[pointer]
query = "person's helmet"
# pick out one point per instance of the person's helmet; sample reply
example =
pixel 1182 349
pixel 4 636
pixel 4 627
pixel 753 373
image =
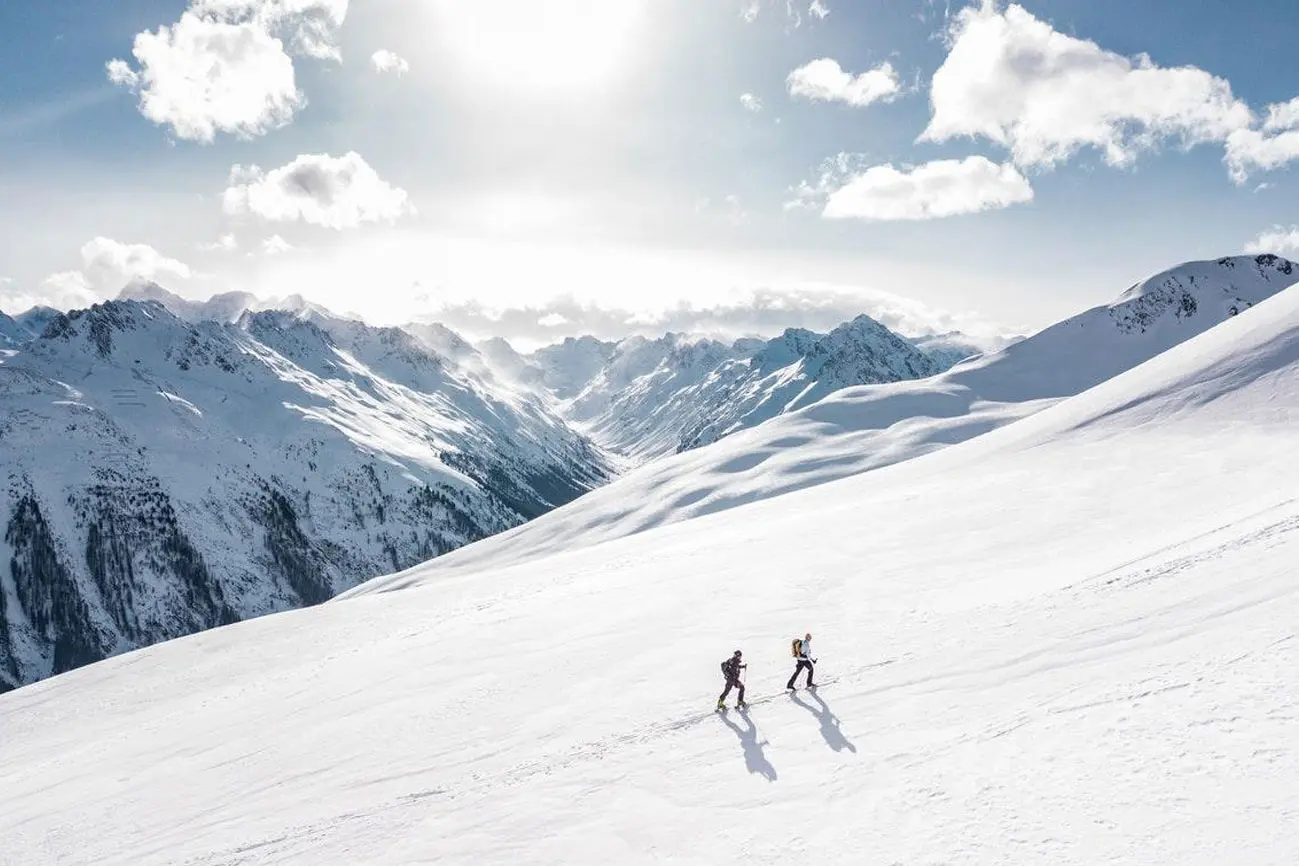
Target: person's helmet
pixel 738 653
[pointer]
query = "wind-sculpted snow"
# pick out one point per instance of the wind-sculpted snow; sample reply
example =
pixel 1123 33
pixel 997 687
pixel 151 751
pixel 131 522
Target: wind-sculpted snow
pixel 1071 640
pixel 856 430
pixel 160 477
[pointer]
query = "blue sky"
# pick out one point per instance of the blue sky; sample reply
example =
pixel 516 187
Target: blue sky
pixel 623 164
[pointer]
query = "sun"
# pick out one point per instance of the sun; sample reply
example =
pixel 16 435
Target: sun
pixel 540 44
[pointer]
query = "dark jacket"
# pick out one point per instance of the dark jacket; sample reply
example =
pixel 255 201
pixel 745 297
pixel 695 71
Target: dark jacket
pixel 731 668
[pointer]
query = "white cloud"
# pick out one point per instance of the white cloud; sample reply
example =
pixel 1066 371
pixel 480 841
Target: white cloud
pixel 106 267
pixel 825 81
pixel 753 8
pixel 1012 78
pixel 735 212
pixel 226 244
pixel 1279 240
pixel 1282 116
pixel 310 26
pixel 758 312
pixel 938 189
pixel 274 245
pixel 386 61
pixel 322 190
pixel 1273 146
pixel 224 66
pixel 818 9
pixel 751 102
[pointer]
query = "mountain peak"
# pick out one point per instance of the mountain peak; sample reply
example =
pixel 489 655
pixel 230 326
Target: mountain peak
pixel 1219 289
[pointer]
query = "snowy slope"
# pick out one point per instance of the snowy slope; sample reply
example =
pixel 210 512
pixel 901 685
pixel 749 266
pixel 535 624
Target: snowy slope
pixel 1069 641
pixel 859 429
pixel 160 477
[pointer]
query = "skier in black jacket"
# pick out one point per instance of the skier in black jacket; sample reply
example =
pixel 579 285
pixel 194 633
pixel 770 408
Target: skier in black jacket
pixel 731 670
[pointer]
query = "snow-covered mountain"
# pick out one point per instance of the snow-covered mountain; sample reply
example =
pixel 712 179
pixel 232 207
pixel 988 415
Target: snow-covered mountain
pixel 37 319
pixel 860 429
pixel 12 333
pixel 952 348
pixel 225 307
pixel 645 398
pixel 1070 640
pixel 161 476
pixel 569 367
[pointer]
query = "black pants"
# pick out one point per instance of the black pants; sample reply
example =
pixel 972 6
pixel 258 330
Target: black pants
pixel 802 663
pixel 732 684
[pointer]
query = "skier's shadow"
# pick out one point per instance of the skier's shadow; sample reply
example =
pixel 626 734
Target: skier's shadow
pixel 830 730
pixel 754 758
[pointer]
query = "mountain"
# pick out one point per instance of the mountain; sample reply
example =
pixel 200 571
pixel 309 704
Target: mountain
pixel 226 307
pixel 12 333
pixel 953 347
pixel 162 476
pixel 856 430
pixel 645 398
pixel 37 319
pixel 1070 640
pixel 567 368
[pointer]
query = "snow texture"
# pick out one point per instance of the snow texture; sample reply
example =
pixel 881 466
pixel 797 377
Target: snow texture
pixel 1071 640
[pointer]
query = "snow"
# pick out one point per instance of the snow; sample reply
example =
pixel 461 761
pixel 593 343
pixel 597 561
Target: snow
pixel 857 430
pixel 264 465
pixel 1070 640
pixel 12 333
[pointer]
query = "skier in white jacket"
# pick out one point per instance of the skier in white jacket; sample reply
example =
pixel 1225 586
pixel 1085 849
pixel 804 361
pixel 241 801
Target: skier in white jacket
pixel 803 653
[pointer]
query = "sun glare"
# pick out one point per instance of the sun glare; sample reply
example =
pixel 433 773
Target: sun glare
pixel 540 44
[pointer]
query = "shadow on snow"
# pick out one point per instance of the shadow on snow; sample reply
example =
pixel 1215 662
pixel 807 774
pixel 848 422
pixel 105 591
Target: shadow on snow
pixel 830 730
pixel 755 760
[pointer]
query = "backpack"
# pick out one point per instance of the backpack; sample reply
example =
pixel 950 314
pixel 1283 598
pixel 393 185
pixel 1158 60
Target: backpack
pixel 797 647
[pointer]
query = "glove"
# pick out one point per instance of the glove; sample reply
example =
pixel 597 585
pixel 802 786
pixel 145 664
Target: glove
pixel 813 661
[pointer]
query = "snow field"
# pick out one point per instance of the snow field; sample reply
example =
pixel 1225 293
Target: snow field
pixel 1071 640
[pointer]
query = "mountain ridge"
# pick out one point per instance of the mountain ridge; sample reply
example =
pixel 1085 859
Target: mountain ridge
pixel 861 429
pixel 209 471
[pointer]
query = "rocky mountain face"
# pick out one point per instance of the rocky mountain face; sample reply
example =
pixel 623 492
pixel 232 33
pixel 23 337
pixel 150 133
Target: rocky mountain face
pixel 161 476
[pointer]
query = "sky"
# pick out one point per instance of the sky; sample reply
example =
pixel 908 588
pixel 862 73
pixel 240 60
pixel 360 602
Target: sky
pixel 545 168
